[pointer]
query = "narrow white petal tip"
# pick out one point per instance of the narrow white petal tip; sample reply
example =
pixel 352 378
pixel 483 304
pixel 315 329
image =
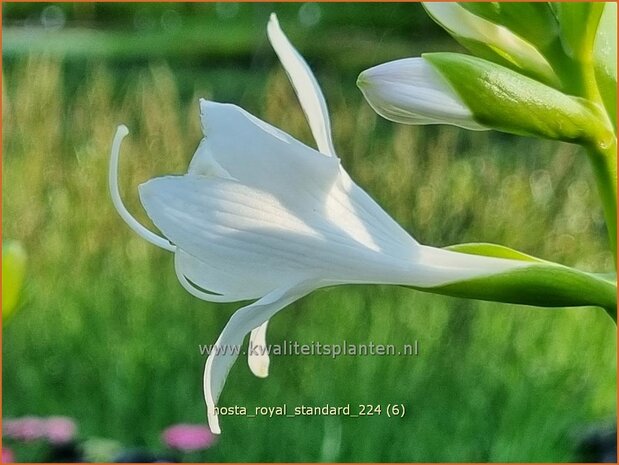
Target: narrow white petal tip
pixel 252 318
pixel 213 424
pixel 305 85
pixel 258 356
pixel 273 28
pixel 259 365
pixel 122 131
pixel 411 91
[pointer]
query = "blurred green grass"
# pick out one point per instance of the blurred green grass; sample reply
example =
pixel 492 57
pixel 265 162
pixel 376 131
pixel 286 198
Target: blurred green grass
pixel 108 336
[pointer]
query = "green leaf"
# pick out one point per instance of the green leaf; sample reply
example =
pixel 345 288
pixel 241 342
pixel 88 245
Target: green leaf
pixel 533 21
pixel 578 23
pixel 508 101
pixel 493 250
pixel 605 60
pixel 491 40
pixel 13 272
pixel 610 277
pixel 542 283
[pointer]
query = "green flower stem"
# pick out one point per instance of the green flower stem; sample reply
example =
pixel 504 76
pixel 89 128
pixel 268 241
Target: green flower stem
pixel 576 74
pixel 578 78
pixel 604 162
pixel 539 283
pixel 564 66
pixel 603 154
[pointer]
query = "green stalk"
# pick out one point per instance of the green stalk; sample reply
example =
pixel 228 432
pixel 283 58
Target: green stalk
pixel 603 153
pixel 604 162
pixel 577 74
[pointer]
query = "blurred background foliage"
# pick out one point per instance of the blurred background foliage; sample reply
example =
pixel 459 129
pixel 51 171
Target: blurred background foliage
pixel 105 334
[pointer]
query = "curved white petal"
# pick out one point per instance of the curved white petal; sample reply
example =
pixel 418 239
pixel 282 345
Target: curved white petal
pixel 223 355
pixel 411 91
pixel 239 146
pixel 207 282
pixel 349 199
pixel 305 85
pixel 234 233
pixel 258 359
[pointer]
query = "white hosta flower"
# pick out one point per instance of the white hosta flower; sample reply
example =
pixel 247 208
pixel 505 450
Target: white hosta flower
pixel 259 215
pixel 411 91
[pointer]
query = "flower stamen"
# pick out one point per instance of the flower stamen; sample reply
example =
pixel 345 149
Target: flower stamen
pixel 121 133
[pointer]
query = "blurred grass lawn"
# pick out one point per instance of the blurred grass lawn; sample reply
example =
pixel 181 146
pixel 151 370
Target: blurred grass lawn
pixel 108 336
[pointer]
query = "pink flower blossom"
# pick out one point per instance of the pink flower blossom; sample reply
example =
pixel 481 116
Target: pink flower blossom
pixel 188 438
pixel 24 429
pixel 7 455
pixel 60 430
pixel 57 430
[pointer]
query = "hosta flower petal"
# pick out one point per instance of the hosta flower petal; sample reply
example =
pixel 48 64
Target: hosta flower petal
pixel 305 85
pixel 411 91
pixel 239 146
pixel 259 359
pixel 231 227
pixel 222 355
pixel 211 283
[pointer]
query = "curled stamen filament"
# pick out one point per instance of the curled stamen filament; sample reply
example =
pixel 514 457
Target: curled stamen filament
pixel 146 234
